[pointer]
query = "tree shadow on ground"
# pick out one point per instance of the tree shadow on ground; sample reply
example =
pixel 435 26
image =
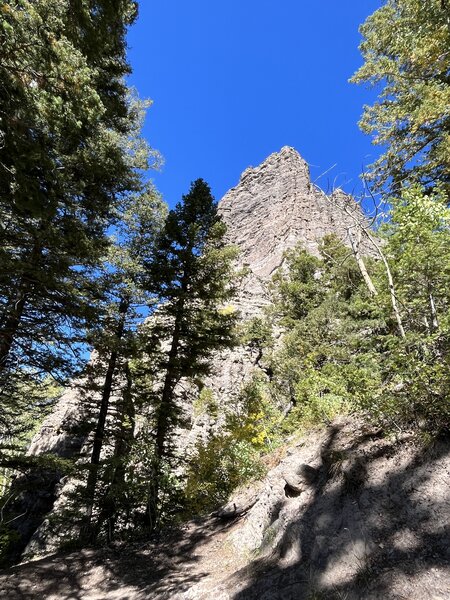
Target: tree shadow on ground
pixel 363 536
pixel 374 525
pixel 158 569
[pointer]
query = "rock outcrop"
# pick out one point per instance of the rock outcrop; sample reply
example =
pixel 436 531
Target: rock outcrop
pixel 272 208
pixel 275 206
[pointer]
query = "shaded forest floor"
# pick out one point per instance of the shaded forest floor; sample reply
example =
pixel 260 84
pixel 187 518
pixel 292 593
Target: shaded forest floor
pixel 347 514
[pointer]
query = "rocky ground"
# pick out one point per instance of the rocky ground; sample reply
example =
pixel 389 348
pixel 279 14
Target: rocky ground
pixel 345 514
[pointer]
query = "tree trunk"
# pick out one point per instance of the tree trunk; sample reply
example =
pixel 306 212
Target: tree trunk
pixel 434 318
pixel 164 413
pixel 391 286
pixel 362 267
pixel 12 316
pixel 387 268
pixel 101 422
pixel 122 449
pixel 10 327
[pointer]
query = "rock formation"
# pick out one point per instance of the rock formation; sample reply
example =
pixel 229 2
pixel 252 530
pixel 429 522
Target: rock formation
pixel 273 207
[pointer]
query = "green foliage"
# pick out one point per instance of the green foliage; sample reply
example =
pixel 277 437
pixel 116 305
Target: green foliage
pixel 71 163
pixel 416 385
pixel 419 249
pixel 341 350
pixel 39 396
pixel 219 467
pixel 320 397
pixel 256 333
pixel 298 293
pixel 65 166
pixel 233 457
pixel 405 49
pixel 71 172
pixel 190 274
pixel 205 403
pixel 39 399
pixel 325 365
pixel 8 537
pixel 255 419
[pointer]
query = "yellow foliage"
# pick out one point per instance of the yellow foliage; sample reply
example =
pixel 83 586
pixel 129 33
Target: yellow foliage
pixel 229 309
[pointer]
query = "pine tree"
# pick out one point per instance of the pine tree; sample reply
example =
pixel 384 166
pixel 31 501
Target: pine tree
pixel 115 345
pixel 64 114
pixel 190 273
pixel 327 362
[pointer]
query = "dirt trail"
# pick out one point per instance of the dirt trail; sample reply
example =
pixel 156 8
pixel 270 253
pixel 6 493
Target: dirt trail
pixel 190 557
pixel 345 515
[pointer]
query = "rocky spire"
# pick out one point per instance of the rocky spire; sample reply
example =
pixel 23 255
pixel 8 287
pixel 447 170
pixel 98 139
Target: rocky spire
pixel 274 207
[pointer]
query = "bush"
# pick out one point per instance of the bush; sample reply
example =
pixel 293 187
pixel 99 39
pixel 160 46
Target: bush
pixel 218 468
pixel 205 403
pixel 233 456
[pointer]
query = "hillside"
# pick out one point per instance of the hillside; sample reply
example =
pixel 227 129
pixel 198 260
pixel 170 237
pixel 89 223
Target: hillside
pixel 346 513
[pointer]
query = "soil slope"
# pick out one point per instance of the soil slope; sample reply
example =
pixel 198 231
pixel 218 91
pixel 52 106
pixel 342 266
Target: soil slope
pixel 345 514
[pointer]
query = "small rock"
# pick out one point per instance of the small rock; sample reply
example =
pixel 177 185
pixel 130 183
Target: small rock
pixel 300 478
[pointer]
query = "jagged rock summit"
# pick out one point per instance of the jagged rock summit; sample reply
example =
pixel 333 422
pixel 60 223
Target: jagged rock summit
pixel 274 207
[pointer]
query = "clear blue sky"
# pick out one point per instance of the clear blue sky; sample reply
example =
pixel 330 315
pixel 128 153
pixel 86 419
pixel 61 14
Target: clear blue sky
pixel 234 80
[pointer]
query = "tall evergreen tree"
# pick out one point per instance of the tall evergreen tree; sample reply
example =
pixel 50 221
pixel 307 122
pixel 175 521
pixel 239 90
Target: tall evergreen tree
pixel 190 273
pixel 115 346
pixel 64 115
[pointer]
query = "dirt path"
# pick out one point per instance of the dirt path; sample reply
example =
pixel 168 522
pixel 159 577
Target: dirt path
pixel 195 556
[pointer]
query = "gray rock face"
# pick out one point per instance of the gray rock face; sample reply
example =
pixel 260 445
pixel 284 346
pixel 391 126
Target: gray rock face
pixel 58 432
pixel 273 207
